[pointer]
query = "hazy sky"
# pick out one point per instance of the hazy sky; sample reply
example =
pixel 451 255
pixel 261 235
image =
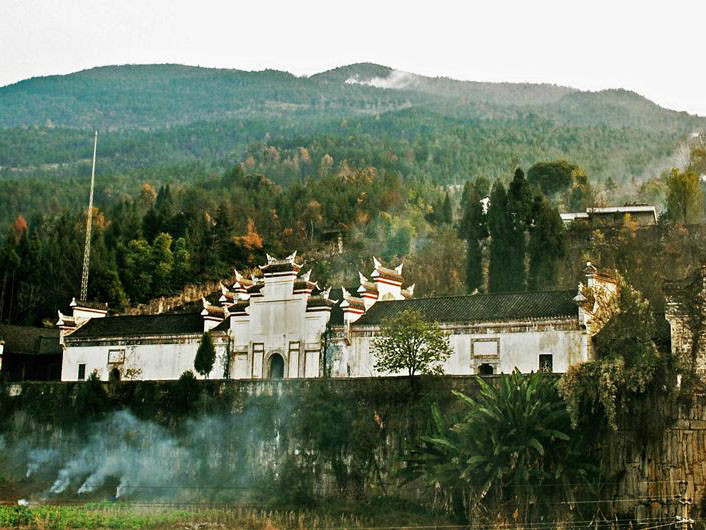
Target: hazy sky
pixel 656 49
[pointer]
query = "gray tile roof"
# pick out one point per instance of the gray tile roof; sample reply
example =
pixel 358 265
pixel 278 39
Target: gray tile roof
pixel 138 325
pixel 30 340
pixel 479 307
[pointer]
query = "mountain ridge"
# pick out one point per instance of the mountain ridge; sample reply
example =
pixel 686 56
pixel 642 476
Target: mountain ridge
pixel 149 96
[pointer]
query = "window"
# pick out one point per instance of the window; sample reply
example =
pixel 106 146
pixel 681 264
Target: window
pixel 546 362
pixel 81 372
pixel 258 352
pixel 296 365
pixel 116 356
pixel 311 364
pixel 481 348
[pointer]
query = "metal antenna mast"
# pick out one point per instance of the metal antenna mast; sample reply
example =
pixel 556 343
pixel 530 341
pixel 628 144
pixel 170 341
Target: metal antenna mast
pixel 89 220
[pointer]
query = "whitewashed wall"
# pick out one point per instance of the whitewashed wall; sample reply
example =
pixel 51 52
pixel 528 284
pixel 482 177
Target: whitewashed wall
pixel 150 359
pixel 517 347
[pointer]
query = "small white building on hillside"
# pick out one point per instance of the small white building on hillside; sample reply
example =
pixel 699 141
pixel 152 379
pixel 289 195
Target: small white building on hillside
pixel 283 325
pixel 642 214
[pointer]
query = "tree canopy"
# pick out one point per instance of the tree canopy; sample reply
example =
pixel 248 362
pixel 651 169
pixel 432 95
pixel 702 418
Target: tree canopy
pixel 410 343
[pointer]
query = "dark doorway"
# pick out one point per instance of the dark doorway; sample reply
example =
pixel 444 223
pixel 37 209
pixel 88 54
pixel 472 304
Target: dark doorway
pixel 114 375
pixel 485 369
pixel 276 366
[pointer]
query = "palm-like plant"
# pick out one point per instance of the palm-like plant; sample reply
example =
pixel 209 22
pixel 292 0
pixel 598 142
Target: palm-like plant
pixel 510 451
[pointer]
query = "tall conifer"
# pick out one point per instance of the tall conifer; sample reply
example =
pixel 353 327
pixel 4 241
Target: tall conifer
pixel 547 245
pixel 473 228
pixel 498 226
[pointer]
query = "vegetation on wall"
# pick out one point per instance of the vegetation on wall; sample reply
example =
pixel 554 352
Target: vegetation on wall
pixel 628 368
pixel 510 455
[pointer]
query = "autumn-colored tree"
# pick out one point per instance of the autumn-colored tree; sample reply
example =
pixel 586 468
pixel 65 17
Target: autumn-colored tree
pixel 684 197
pixel 438 268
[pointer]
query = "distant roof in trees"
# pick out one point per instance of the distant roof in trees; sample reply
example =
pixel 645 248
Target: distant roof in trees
pixel 480 307
pixel 140 325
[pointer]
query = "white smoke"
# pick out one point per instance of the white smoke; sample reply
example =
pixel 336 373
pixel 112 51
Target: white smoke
pixel 39 458
pixel 123 448
pixel 207 457
pixel 395 80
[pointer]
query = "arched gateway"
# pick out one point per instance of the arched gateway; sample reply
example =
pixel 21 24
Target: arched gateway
pixel 276 368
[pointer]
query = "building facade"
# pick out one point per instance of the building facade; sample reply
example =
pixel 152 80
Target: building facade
pixel 281 324
pixel 642 214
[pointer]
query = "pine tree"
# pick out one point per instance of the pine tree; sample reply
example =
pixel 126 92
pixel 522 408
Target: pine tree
pixel 498 222
pixel 447 211
pixel 474 266
pixel 205 356
pixel 473 228
pixel 162 264
pixel 547 245
pixel 518 212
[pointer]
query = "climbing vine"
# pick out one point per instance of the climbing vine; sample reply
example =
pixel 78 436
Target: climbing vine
pixel 627 370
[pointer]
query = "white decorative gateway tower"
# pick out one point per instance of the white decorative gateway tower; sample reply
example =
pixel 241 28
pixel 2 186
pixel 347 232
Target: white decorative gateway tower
pixel 276 323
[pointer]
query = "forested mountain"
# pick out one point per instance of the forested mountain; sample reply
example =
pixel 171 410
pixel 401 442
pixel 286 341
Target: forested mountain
pixel 200 168
pixel 170 123
pixel 158 96
pixel 378 155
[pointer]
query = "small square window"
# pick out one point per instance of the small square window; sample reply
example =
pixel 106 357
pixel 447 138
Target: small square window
pixel 81 372
pixel 546 362
pixel 116 356
pixel 485 348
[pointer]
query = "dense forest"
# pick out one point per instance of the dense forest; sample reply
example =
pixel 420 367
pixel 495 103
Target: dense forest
pixel 176 124
pixel 200 170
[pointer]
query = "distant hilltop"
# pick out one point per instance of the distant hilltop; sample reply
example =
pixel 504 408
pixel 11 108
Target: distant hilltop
pixel 161 95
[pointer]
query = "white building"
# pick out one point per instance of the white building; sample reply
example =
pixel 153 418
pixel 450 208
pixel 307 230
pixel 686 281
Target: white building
pixel 642 214
pixel 282 325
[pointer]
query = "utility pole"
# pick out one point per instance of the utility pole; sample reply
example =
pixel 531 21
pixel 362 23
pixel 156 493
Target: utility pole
pixel 89 220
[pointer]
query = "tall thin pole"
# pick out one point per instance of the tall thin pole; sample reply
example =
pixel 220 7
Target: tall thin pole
pixel 89 220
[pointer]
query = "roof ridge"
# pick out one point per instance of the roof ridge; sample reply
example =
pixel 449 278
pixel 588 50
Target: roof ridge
pixel 152 315
pixel 477 295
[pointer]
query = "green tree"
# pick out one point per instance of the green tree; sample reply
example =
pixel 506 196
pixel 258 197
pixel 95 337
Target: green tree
pixel 181 271
pixel 511 453
pixel 499 228
pixel 684 197
pixel 447 210
pixel 411 343
pixel 205 356
pixel 138 270
pixel 628 366
pixel 552 177
pixel 547 245
pixel 162 264
pixel 507 223
pixel 473 228
pixel 519 210
pixel 580 195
